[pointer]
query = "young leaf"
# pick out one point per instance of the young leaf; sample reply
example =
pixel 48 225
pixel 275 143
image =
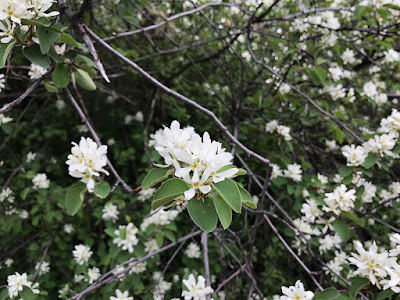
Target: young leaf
pixel 168 191
pixel 357 283
pixel 84 80
pixel 155 176
pixel 34 54
pixel 345 171
pixel 38 22
pixel 224 211
pixel 246 197
pixel 203 213
pixel 102 189
pixel 60 76
pixel 74 197
pixel 5 50
pixel 342 229
pixel 67 39
pixel 46 38
pixel 370 161
pixel 327 294
pixel 229 191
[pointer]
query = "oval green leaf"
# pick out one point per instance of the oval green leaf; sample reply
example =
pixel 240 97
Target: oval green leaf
pixel 74 197
pixel 5 49
pixel 224 211
pixel 60 76
pixel 168 191
pixel 246 197
pixel 155 176
pixel 34 54
pixel 84 80
pixel 229 191
pixel 102 189
pixel 203 213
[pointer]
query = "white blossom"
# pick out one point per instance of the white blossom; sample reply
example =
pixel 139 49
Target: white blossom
pixel 121 295
pixel 129 240
pixel 82 254
pixel 36 71
pixel 110 212
pixel 196 290
pixel 193 251
pixel 294 172
pixel 296 292
pixel 40 181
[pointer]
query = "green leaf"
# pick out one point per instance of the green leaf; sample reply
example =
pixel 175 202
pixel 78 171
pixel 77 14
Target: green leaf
pixel 46 38
pixel 384 294
pixel 224 211
pixel 27 293
pixel 102 189
pixel 339 135
pixel 345 171
pixel 168 191
pixel 352 216
pixel 246 197
pixel 321 73
pixel 68 39
pixel 160 239
pixel 60 76
pixel 327 294
pixel 5 50
pixel 240 171
pixel 38 22
pixel 342 229
pixel 50 88
pixel 53 54
pixel 258 98
pixel 84 80
pixel 74 197
pixel 370 161
pixel 203 213
pixel 155 176
pixel 229 191
pixel 392 6
pixel 360 11
pixel 34 54
pixel 357 283
pixel 169 235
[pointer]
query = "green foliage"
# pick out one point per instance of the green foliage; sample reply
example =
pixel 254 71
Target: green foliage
pixel 74 197
pixel 203 213
pixel 168 191
pixel 155 176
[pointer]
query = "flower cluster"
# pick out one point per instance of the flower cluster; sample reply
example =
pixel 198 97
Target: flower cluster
pixel 82 254
pixel 296 292
pixel 16 283
pixel 110 212
pixel 197 160
pixel 13 11
pixel 126 237
pixel 160 217
pixel 283 130
pixel 196 289
pixel 40 181
pixel 86 161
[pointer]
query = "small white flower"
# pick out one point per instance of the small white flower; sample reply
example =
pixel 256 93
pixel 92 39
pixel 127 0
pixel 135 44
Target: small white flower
pixel 294 172
pixel 36 71
pixel 43 268
pixel 68 228
pixel 193 251
pixel 121 295
pixel 196 290
pixel 40 181
pixel 82 254
pixel 296 292
pixel 30 157
pixel 110 212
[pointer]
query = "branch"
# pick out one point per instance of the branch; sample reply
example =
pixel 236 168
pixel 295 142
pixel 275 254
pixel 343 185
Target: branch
pixel 179 97
pixel 204 243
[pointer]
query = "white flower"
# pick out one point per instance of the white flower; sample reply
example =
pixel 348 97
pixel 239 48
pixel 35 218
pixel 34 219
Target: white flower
pixel 391 56
pixel 391 123
pixel 355 155
pixel 348 56
pixel 130 239
pixel 60 104
pixel 328 242
pixel 370 263
pixel 43 268
pixel 340 200
pixel 296 292
pixel 128 119
pixel 36 71
pixel 121 295
pixel 16 283
pixel 196 290
pixel 86 161
pixel 6 32
pixel 68 228
pixel 311 210
pixel 8 262
pixel 382 145
pixel 23 214
pixel 294 172
pixel 93 274
pixel 4 119
pixel 60 50
pixel 370 89
pixel 82 254
pixel 30 157
pixel 271 126
pixel 284 88
pixel 41 6
pixel 193 251
pixel 40 181
pixel 110 212
pixel 79 277
pixel 139 116
pixel 15 10
pixel 161 217
pixel 151 246
pixel 284 131
pixel 144 195
pixel 369 190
